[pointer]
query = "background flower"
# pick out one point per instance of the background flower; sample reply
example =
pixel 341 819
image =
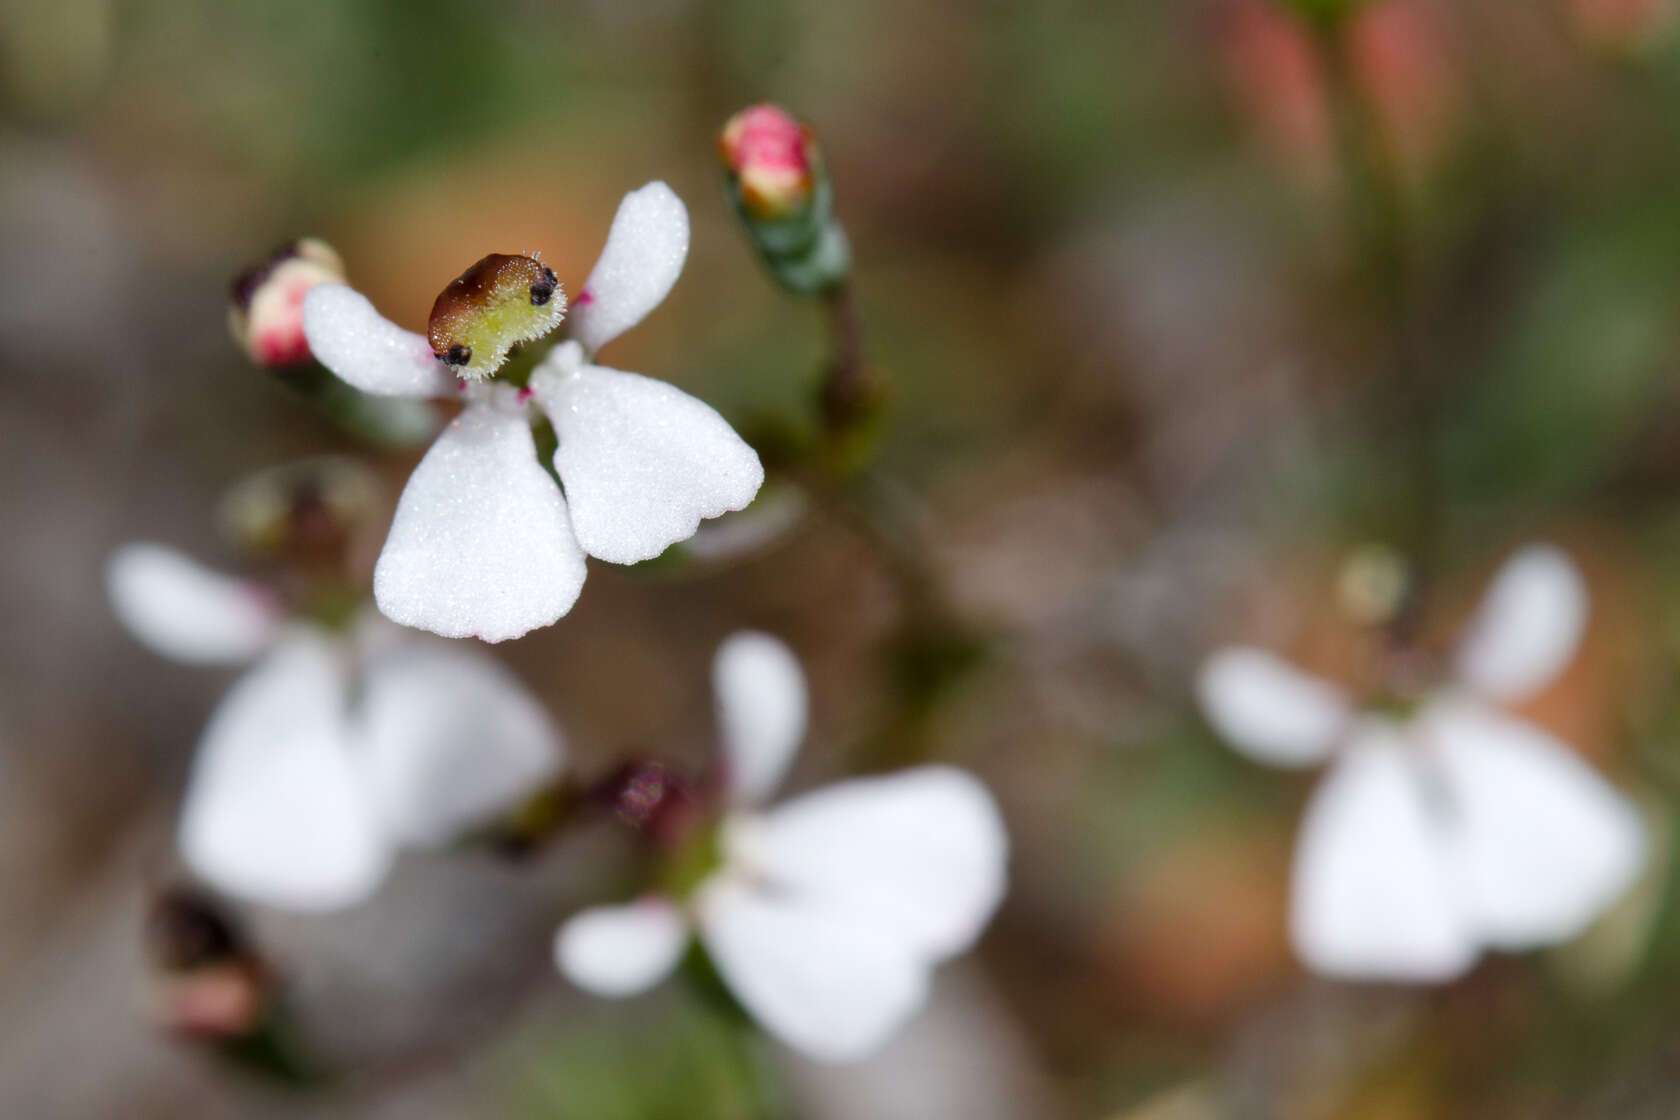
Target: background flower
pixel 1450 828
pixel 825 914
pixel 334 751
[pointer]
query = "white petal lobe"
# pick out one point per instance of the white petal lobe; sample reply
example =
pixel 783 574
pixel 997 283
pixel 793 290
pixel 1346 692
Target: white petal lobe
pixel 185 611
pixel 824 980
pixel 621 950
pixel 1373 896
pixel 919 856
pixel 480 545
pixel 762 707
pixel 274 810
pixel 449 739
pixel 644 255
pixel 1270 710
pixel 368 351
pixel 1527 627
pixel 1542 844
pixel 642 461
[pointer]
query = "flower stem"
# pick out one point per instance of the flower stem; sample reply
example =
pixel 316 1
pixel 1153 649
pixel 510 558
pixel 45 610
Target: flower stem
pixel 843 390
pixel 1376 215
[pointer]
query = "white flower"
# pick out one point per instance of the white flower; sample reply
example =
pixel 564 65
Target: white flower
pixel 826 914
pixel 483 543
pixel 332 752
pixel 1457 829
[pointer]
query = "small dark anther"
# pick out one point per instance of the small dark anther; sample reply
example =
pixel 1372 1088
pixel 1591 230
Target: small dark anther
pixel 543 290
pixel 458 355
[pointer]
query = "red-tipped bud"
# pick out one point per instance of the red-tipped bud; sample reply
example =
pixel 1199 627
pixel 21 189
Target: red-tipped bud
pixel 266 315
pixel 771 157
pixel 206 981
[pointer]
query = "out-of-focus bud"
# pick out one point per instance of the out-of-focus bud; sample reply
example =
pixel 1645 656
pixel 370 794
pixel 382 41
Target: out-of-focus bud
pixel 781 190
pixel 266 315
pixel 1624 27
pixel 491 308
pixel 770 155
pixel 207 983
pixel 308 507
pixel 1400 58
pixel 1372 585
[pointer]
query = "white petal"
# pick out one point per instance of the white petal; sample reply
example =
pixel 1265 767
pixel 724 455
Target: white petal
pixel 1373 896
pixel 1527 627
pixel 621 950
pixel 450 739
pixel 1270 710
pixel 1542 843
pixel 642 259
pixel 642 461
pixel 367 350
pixel 184 610
pixel 823 980
pixel 919 855
pixel 761 704
pixel 480 545
pixel 274 809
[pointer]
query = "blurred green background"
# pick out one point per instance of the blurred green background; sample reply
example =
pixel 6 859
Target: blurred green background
pixel 1159 361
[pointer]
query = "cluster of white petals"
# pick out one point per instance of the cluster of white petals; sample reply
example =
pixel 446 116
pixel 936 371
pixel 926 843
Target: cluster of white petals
pixel 334 751
pixel 1457 829
pixel 829 912
pixel 484 544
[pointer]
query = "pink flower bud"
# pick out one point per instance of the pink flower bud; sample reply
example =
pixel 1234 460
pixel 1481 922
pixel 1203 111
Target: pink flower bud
pixel 266 315
pixel 771 156
pixel 206 983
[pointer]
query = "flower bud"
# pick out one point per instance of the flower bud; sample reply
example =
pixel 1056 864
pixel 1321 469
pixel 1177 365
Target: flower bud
pixel 770 157
pixel 309 507
pixel 1373 584
pixel 781 191
pixel 491 308
pixel 266 315
pixel 207 983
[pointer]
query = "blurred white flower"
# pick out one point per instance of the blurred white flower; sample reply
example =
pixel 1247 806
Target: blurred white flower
pixel 1452 830
pixel 334 750
pixel 825 915
pixel 483 543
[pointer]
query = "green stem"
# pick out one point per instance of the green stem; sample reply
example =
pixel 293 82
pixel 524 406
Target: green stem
pixel 1376 215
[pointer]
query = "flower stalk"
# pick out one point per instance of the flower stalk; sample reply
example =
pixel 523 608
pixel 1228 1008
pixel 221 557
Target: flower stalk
pixel 1376 217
